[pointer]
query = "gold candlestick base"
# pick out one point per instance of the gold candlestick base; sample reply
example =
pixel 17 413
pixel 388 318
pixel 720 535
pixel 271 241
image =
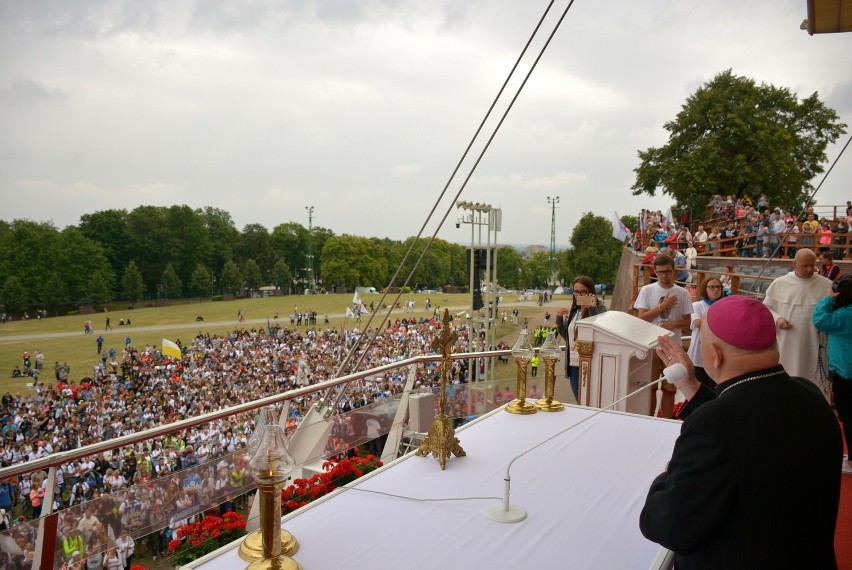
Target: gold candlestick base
pixel 441 441
pixel 549 405
pixel 521 407
pixel 252 547
pixel 280 563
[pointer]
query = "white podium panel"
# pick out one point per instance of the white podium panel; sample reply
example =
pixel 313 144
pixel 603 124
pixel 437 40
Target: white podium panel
pixel 583 492
pixel 421 412
pixel 622 360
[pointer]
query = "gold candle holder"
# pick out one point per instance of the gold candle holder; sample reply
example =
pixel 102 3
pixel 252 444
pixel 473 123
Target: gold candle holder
pixel 549 352
pixel 270 466
pixel 522 353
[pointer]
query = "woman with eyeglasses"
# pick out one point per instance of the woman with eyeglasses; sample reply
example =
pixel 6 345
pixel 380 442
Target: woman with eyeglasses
pixel 711 291
pixel 585 304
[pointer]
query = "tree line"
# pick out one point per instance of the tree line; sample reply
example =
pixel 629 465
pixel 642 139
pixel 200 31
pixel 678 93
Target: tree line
pixel 157 252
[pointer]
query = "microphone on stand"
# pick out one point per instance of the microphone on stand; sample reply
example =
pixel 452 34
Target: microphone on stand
pixel 507 512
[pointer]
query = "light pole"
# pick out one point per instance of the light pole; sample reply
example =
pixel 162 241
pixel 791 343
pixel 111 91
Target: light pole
pixel 479 214
pixel 311 284
pixel 553 201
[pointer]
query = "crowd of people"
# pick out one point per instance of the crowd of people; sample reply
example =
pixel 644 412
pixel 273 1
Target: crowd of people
pixel 734 227
pixel 134 389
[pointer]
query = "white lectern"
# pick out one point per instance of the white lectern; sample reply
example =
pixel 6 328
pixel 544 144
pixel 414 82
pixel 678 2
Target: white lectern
pixel 616 358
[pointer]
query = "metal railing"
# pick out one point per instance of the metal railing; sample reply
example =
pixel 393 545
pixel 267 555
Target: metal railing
pixel 40 535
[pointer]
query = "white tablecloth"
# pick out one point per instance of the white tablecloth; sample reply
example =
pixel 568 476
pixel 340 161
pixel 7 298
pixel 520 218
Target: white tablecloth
pixel 583 492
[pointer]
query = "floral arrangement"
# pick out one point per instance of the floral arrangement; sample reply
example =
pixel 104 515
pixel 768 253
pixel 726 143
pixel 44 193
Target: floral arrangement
pixel 194 540
pixel 138 567
pixel 336 473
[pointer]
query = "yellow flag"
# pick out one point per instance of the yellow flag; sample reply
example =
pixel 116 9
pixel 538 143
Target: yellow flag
pixel 170 349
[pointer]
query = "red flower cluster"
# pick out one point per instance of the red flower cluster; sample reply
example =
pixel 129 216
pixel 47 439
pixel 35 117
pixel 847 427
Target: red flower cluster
pixel 336 473
pixel 138 567
pixel 227 527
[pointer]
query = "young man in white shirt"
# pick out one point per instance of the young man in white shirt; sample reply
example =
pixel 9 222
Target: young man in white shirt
pixel 663 303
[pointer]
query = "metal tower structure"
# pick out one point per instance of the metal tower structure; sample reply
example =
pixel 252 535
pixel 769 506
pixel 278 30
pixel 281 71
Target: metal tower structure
pixel 310 259
pixel 553 201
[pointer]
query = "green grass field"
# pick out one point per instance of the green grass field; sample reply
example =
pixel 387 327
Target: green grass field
pixel 62 339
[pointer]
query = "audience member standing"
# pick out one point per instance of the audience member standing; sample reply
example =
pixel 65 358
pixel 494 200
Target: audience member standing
pixel 584 304
pixel 792 299
pixel 711 291
pixel 827 267
pixel 663 303
pixel 833 315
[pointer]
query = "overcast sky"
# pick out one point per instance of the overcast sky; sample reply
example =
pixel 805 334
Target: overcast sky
pixel 362 108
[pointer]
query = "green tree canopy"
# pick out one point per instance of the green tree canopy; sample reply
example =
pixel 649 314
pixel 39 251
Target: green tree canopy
pixel 509 267
pixel 53 292
pixel 290 241
pixel 172 284
pixel 281 275
pixel 536 270
pixel 14 295
pixel 254 279
pixel 131 283
pixel 733 136
pixel 350 261
pixel 231 280
pixel 594 251
pixel 222 235
pixel 109 228
pixel 201 282
pixel 256 243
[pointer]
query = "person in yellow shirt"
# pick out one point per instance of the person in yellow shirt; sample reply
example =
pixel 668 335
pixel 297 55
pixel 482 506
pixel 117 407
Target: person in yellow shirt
pixel 534 362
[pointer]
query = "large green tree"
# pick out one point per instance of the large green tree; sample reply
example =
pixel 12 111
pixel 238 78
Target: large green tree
pixel 536 270
pixel 109 228
pixel 290 241
pixel 733 136
pixel 509 267
pixel 149 237
pixel 594 251
pixel 222 236
pixel 132 285
pixel 254 278
pixel 281 276
pixel 13 295
pixel 172 285
pixel 231 279
pixel 201 281
pixel 187 243
pixel 350 261
pixel 35 252
pixel 256 243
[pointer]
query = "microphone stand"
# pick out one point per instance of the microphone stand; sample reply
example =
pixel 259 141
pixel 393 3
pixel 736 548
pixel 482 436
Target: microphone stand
pixel 507 512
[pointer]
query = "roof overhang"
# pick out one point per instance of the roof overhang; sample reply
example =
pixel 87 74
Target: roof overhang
pixel 828 16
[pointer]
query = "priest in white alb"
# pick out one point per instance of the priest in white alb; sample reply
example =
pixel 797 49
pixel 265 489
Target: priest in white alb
pixel 791 299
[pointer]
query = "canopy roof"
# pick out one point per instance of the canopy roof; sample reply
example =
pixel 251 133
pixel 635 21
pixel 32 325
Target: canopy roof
pixel 829 16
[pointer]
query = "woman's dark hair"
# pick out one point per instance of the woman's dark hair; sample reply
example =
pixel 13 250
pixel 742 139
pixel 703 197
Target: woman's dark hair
pixel 585 281
pixel 703 289
pixel 843 286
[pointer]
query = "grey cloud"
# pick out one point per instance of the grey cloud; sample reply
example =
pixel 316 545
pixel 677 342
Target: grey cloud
pixel 31 92
pixel 839 98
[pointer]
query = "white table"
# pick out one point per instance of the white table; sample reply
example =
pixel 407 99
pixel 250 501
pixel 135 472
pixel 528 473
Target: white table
pixel 583 492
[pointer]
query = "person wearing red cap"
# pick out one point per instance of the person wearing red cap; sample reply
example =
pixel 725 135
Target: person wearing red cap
pixel 753 480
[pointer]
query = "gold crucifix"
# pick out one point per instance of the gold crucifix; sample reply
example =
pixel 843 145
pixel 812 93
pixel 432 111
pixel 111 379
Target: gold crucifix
pixel 441 441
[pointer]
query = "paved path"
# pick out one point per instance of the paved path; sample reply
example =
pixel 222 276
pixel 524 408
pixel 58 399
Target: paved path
pixel 194 325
